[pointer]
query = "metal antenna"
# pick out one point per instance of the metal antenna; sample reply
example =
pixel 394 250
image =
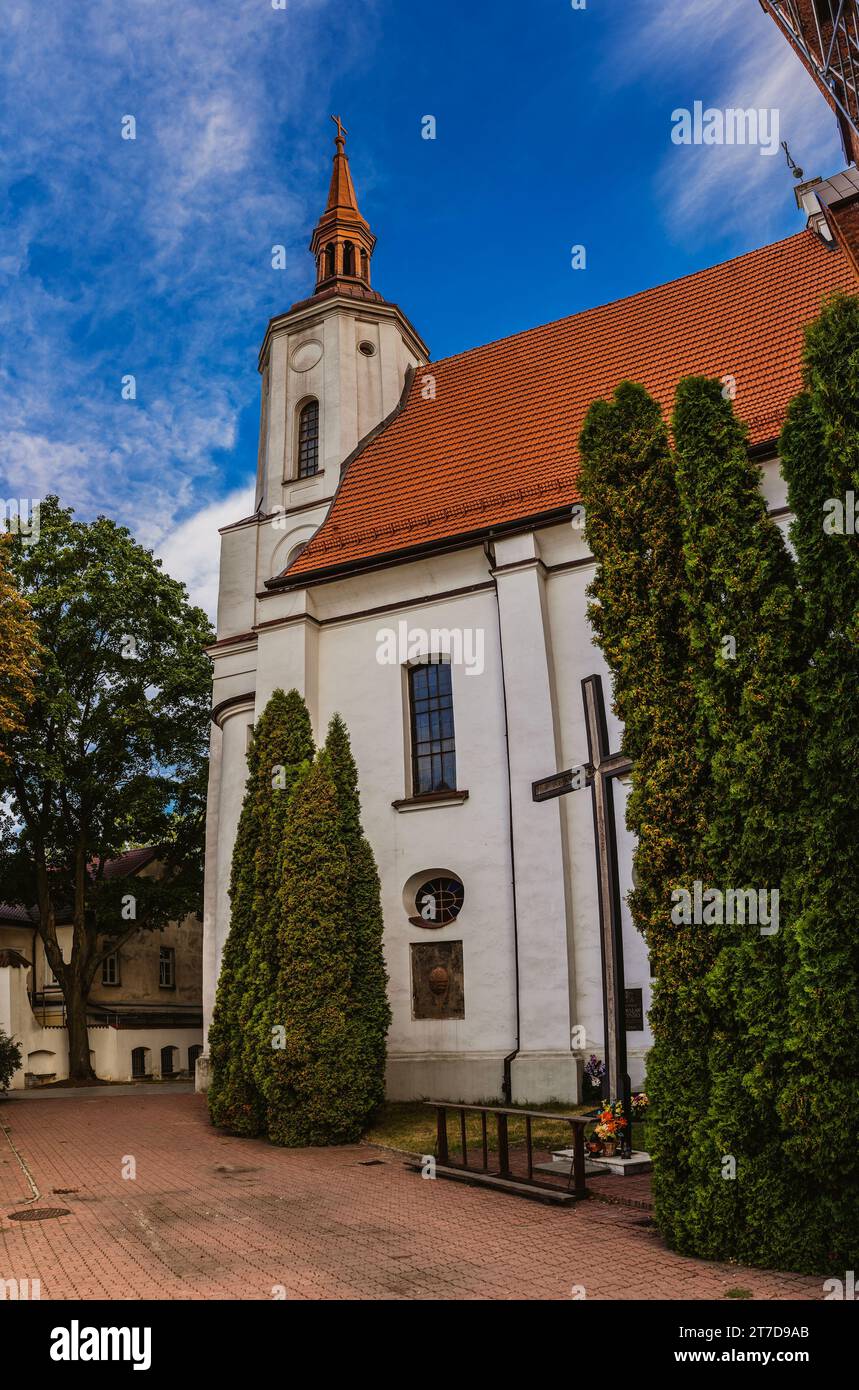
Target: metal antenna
pixel 791 162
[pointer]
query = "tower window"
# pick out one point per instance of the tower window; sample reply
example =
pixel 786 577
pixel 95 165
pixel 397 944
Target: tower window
pixel 308 440
pixel 364 265
pixel 348 258
pixel 330 268
pixel 433 745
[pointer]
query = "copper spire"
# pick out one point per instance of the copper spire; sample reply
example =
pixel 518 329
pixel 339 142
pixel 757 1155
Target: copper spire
pixel 342 242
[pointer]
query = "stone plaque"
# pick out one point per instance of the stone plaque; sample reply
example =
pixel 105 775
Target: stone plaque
pixel 634 1011
pixel 437 980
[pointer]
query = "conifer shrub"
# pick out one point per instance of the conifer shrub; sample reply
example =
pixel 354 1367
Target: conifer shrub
pixel 239 1046
pixel 317 1089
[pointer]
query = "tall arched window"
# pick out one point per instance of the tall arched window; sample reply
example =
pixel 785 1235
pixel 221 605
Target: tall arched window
pixel 348 258
pixel 308 440
pixel 364 265
pixel 329 260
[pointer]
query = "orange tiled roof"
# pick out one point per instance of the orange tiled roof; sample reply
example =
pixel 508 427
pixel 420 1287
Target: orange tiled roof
pixel 500 440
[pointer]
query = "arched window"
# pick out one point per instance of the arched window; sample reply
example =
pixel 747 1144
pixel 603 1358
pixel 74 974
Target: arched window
pixel 294 554
pixel 329 259
pixel 193 1053
pixel 169 1056
pixel 364 265
pixel 138 1061
pixel 308 440
pixel 348 258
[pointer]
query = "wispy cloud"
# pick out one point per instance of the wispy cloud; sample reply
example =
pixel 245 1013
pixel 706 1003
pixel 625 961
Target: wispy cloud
pixel 151 257
pixel 726 54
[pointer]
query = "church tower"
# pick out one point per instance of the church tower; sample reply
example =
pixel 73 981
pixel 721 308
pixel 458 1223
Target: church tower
pixel 333 367
pixel 825 35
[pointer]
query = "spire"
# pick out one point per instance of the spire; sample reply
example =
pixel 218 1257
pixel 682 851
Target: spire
pixel 342 243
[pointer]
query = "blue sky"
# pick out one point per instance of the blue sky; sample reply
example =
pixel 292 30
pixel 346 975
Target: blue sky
pixel 152 257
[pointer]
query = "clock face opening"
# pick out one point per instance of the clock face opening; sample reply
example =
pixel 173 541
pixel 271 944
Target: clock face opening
pixel 438 902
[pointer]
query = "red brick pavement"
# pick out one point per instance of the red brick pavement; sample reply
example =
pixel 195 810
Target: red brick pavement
pixel 209 1216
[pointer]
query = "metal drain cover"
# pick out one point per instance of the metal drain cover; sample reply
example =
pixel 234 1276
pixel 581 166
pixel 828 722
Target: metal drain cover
pixel 38 1214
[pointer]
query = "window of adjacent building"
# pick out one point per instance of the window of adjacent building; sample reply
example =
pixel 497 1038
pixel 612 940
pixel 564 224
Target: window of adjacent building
pixel 138 1061
pixel 433 745
pixel 308 440
pixel 167 967
pixel 168 1056
pixel 110 969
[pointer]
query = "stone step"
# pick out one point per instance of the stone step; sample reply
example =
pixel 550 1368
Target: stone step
pixel 621 1167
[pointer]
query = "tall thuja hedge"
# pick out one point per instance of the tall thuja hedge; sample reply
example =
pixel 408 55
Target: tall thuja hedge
pixel 317 1091
pixel 281 740
pixel 283 745
pixel 369 1007
pixel 749 655
pixel 638 616
pixel 820 1098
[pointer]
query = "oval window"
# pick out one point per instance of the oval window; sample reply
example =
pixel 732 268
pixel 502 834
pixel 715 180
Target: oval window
pixel 368 349
pixel 438 902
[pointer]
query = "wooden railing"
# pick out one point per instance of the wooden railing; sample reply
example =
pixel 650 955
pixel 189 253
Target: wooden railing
pixel 504 1176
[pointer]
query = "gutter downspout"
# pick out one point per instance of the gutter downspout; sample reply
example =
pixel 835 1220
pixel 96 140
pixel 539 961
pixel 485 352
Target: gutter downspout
pixel 508 1078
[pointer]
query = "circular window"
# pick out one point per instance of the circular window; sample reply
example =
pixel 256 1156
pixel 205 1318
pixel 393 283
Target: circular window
pixel 368 349
pixel 438 902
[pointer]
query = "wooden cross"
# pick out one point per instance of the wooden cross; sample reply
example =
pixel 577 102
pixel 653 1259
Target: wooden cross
pixel 599 773
pixel 341 129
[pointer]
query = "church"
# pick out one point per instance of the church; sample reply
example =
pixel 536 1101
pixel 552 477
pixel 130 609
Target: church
pixel 417 561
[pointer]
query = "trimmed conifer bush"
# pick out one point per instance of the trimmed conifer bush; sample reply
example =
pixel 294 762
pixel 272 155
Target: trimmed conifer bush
pixel 318 1090
pixel 282 740
pixel 639 619
pixel 819 1100
pixel 370 1010
pixel 746 631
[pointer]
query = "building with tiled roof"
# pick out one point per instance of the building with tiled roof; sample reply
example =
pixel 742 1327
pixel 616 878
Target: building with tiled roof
pixel 416 561
pixel 144 1011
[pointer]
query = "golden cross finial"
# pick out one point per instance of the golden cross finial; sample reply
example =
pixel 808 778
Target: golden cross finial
pixel 341 129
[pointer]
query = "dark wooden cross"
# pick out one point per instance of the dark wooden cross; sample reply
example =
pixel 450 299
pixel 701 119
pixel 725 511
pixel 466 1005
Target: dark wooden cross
pixel 599 773
pixel 341 129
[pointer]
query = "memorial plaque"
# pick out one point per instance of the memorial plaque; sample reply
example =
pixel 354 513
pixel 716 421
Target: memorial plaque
pixel 437 980
pixel 634 1010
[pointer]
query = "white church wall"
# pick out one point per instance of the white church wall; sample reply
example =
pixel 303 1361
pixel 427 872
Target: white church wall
pixel 237 579
pixel 470 840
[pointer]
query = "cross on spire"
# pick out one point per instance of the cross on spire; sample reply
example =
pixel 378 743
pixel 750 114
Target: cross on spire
pixel 341 130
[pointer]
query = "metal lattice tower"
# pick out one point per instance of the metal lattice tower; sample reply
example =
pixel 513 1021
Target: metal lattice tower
pixel 825 34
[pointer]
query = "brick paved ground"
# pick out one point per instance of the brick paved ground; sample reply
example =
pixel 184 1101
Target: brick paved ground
pixel 213 1217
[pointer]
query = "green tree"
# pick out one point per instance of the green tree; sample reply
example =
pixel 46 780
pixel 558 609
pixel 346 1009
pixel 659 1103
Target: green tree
pixel 311 1092
pixel 284 745
pixel 240 1047
pixel 746 633
pixel 369 1008
pixel 639 619
pixel 114 749
pixel 820 1096
pixel 19 655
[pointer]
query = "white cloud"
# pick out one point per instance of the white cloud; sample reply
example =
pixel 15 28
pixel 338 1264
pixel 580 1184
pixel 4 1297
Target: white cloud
pixel 729 54
pixel 191 551
pixel 152 256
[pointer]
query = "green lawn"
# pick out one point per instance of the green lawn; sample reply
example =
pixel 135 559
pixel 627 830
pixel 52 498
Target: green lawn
pixel 411 1126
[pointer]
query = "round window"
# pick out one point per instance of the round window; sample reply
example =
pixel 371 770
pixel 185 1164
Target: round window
pixel 368 349
pixel 438 902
